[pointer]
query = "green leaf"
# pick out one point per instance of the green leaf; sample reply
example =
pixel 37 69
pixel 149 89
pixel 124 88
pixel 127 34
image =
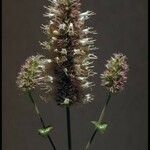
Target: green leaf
pixel 99 126
pixel 45 131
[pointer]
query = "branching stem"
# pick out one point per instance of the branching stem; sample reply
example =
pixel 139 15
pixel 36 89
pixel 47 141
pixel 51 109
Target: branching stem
pixel 99 120
pixel 40 117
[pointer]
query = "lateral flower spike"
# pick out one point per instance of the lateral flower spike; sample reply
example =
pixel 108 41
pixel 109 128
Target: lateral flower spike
pixel 69 48
pixel 33 74
pixel 115 75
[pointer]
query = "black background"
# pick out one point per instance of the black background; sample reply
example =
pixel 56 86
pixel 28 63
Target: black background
pixel 122 27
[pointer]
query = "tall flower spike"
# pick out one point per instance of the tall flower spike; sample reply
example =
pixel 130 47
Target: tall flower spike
pixel 115 74
pixel 33 74
pixel 70 50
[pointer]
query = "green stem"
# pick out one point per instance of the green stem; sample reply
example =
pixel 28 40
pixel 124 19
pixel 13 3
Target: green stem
pixel 40 117
pixel 99 120
pixel 68 127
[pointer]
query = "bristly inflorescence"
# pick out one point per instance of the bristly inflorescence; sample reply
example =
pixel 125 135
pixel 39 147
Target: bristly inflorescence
pixel 33 73
pixel 71 50
pixel 115 75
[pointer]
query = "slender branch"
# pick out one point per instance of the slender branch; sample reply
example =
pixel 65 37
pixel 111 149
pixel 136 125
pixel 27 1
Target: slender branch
pixel 68 127
pixel 99 120
pixel 40 117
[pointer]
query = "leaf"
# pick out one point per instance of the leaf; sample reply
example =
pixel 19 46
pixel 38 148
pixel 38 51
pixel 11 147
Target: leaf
pixel 99 126
pixel 45 131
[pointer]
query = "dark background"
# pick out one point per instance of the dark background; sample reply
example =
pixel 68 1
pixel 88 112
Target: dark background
pixel 122 26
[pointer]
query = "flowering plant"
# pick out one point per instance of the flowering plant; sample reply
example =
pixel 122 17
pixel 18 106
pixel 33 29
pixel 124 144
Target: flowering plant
pixel 66 74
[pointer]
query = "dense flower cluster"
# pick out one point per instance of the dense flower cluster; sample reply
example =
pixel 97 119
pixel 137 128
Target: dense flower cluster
pixel 33 73
pixel 70 50
pixel 115 74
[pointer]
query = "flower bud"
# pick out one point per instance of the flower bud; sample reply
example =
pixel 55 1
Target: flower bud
pixel 115 75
